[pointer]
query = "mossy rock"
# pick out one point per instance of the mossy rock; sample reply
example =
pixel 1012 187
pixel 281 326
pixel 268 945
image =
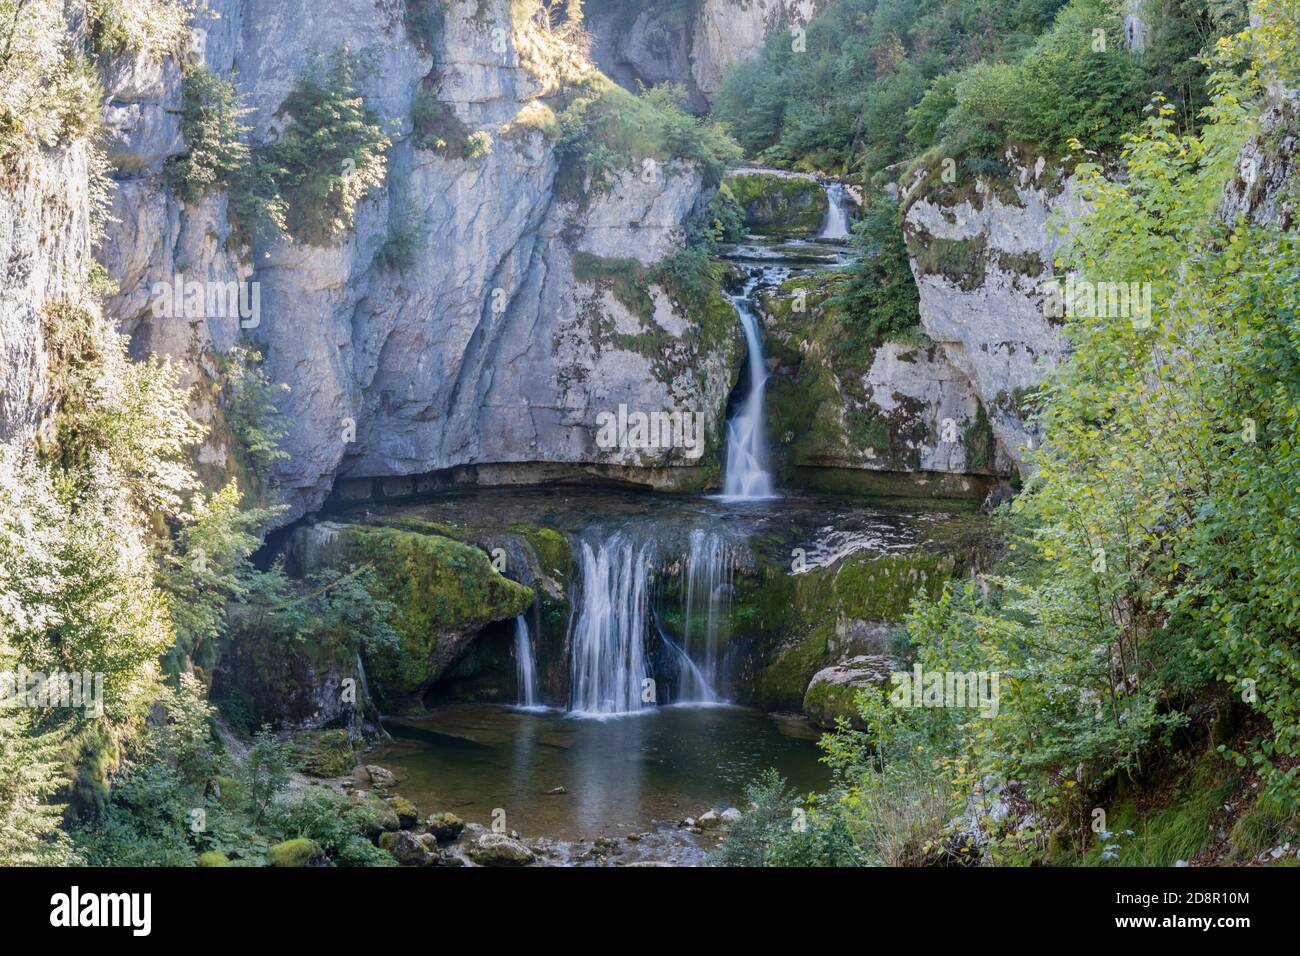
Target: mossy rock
pixel 230 792
pixel 407 814
pixel 297 852
pixel 325 753
pixel 779 205
pixel 213 858
pixel 444 591
pixel 446 827
pixel 795 617
pixel 377 816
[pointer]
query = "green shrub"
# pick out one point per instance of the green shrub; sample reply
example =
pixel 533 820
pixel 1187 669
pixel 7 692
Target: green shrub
pixel 607 129
pixel 330 154
pixel 214 158
pixel 424 22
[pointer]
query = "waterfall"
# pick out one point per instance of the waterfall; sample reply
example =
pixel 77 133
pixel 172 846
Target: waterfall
pixel 837 219
pixel 706 591
pixel 525 669
pixel 746 475
pixel 609 664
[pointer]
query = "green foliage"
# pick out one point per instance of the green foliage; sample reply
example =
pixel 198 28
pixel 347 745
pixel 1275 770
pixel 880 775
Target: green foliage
pixel 879 295
pixel 215 158
pixel 48 91
pixel 400 248
pixel 330 154
pixel 606 129
pixel 266 771
pixel 885 81
pixel 248 400
pixel 155 27
pixel 778 829
pixel 333 823
pixel 207 570
pixel 424 22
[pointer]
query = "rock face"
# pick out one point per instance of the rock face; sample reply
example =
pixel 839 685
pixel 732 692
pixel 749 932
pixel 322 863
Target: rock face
pixel 1262 190
pixel 831 692
pixel 981 257
pixel 693 45
pixel 45 255
pixel 487 350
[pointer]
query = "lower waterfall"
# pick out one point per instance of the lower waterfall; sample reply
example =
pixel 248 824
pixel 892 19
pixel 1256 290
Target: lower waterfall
pixel 525 667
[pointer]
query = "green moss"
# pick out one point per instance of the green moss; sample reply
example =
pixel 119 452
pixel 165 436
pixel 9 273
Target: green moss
pixel 828 703
pixel 961 261
pixel 552 550
pixel 325 753
pixel 779 205
pixel 213 858
pixel 795 616
pixel 439 586
pixel 298 852
pixel 979 441
pixel 407 814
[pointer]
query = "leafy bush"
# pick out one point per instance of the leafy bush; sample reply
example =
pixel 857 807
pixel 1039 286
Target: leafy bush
pixel 330 154
pixel 607 129
pixel 215 158
pixel 879 294
pixel 424 22
pixel 48 91
pixel 778 829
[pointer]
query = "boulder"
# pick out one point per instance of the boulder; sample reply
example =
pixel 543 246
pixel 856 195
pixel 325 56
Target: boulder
pixel 381 778
pixel 730 815
pixel 497 849
pixel 708 821
pixel 298 852
pixel 407 814
pixel 832 690
pixel 407 848
pixel 379 816
pixel 445 827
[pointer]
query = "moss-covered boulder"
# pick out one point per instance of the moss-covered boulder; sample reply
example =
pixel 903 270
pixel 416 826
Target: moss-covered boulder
pixel 860 409
pixel 445 592
pixel 213 858
pixel 446 827
pixel 795 622
pixel 407 813
pixel 297 852
pixel 306 684
pixel 833 690
pixel 775 205
pixel 325 753
pixel 497 849
pixel 375 815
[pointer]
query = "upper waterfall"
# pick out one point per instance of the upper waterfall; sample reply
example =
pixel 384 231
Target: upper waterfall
pixel 746 471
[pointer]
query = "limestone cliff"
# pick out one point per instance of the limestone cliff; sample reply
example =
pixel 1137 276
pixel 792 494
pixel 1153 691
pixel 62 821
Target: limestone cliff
pixel 981 256
pixel 486 351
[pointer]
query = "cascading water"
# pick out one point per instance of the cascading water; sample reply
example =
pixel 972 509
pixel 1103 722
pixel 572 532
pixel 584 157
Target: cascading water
pixel 706 592
pixel 525 668
pixel 608 638
pixel 746 475
pixel 837 217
